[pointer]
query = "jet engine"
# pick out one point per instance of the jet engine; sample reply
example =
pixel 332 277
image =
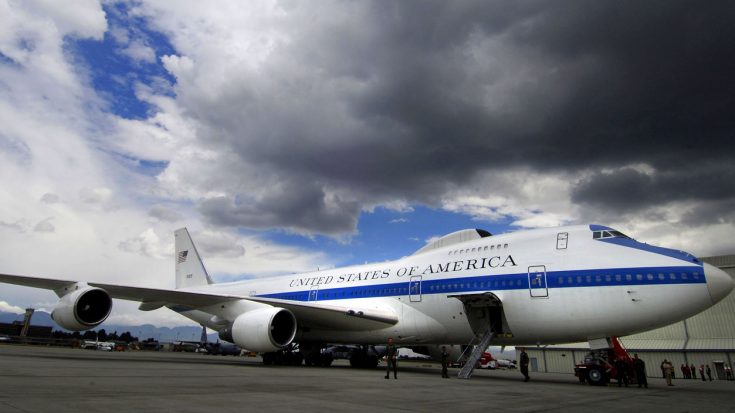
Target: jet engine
pixel 262 330
pixel 83 308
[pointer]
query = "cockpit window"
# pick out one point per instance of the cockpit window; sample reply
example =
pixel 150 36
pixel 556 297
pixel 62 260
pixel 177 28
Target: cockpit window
pixel 618 234
pixel 608 234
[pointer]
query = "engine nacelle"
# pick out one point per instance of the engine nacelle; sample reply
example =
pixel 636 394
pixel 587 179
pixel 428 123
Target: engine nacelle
pixel 264 329
pixel 83 308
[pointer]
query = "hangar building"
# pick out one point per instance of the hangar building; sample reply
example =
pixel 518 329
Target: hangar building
pixel 707 338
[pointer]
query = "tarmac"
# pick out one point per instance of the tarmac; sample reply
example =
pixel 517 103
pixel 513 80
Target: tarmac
pixel 48 379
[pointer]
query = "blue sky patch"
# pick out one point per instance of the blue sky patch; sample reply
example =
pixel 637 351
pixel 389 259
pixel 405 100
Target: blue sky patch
pixel 115 74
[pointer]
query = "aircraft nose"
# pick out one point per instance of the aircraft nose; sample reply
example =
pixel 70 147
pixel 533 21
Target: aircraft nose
pixel 719 282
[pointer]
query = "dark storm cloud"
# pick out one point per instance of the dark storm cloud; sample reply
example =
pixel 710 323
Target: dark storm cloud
pixel 411 98
pixel 290 205
pixel 629 190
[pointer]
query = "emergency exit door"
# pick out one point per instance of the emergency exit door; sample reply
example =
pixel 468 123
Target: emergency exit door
pixel 537 281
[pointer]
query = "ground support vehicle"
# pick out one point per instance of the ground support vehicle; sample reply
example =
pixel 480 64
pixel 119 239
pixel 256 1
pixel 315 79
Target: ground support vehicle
pixel 602 365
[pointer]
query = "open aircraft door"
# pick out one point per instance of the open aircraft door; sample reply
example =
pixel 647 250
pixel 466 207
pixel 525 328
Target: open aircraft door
pixel 537 281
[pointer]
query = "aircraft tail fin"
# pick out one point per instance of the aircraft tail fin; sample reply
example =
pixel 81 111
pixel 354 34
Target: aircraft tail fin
pixel 190 271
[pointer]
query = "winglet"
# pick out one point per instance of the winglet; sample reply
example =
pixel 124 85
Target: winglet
pixel 190 271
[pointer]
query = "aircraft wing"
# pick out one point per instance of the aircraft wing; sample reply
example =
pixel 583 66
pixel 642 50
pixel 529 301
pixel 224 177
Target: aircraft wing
pixel 142 294
pixel 307 314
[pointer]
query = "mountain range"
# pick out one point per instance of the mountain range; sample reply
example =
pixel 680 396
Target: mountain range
pixel 145 331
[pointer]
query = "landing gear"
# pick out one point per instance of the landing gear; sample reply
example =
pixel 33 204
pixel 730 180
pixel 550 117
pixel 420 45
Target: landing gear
pixel 314 355
pixel 364 358
pixel 289 356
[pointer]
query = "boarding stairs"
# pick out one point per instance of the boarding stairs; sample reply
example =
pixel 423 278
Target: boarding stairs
pixel 474 357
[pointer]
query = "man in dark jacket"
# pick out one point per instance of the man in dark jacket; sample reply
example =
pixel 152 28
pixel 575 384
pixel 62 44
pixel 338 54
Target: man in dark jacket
pixel 640 371
pixel 445 362
pixel 391 356
pixel 524 364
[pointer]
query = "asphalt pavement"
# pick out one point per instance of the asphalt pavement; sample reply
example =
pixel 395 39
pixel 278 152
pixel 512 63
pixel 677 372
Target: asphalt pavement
pixel 60 380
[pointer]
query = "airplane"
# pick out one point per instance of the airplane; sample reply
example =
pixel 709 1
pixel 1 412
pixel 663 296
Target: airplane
pixel 553 285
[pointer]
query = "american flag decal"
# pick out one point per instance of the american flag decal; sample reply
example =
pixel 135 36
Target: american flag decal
pixel 181 257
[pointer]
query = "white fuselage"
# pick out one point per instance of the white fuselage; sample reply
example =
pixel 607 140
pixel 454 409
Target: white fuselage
pixel 555 285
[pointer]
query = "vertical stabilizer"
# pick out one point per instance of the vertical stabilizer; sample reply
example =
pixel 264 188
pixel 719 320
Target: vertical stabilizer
pixel 190 271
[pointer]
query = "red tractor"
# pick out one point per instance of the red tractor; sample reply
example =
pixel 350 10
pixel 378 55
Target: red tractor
pixel 601 366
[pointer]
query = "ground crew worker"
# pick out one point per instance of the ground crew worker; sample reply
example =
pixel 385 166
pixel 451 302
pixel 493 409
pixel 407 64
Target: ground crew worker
pixel 640 371
pixel 524 364
pixel 668 371
pixel 391 356
pixel 709 373
pixel 622 369
pixel 445 362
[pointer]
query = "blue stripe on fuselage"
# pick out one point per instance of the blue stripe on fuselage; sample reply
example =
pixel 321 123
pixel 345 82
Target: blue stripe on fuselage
pixel 556 279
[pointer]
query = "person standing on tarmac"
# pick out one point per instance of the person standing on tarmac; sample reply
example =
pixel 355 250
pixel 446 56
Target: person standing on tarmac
pixel 640 371
pixel 709 373
pixel 693 369
pixel 391 356
pixel 622 369
pixel 445 362
pixel 668 370
pixel 524 364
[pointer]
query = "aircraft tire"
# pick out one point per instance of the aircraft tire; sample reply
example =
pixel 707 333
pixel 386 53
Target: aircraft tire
pixel 326 360
pixel 268 358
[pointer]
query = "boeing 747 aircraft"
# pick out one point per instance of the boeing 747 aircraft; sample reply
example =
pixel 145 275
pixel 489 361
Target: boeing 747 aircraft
pixel 557 285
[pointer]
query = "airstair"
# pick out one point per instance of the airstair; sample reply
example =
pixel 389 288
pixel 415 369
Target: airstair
pixel 474 357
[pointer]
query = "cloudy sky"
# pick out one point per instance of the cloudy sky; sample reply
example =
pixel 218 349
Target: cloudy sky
pixel 295 135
